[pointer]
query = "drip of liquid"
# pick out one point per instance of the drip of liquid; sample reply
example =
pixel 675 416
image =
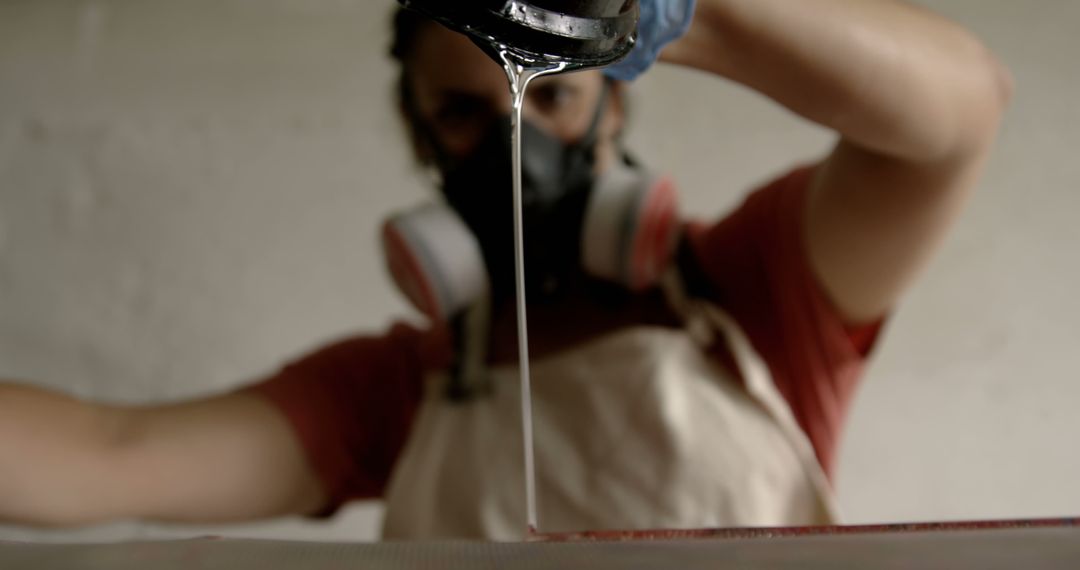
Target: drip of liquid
pixel 520 72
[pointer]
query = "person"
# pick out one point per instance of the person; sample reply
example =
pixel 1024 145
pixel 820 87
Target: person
pixel 706 385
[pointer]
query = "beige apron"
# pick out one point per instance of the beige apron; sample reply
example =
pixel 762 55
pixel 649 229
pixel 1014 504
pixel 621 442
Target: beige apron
pixel 636 430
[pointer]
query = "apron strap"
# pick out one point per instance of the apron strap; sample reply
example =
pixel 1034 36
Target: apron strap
pixel 704 320
pixel 469 377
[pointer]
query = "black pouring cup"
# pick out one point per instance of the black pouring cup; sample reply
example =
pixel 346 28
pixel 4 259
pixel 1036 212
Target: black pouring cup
pixel 579 33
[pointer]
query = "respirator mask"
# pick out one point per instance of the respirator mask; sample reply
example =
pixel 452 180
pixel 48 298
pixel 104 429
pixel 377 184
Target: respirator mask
pixel 620 226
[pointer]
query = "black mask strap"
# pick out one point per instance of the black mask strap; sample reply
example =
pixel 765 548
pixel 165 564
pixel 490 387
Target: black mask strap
pixel 590 136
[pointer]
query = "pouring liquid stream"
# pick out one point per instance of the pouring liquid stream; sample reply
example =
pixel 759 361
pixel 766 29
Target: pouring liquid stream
pixel 520 73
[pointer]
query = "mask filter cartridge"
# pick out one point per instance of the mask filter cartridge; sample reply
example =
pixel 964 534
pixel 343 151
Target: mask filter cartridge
pixel 629 232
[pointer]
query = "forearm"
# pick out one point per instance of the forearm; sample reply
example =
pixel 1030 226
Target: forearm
pixel 889 76
pixel 66 462
pixel 53 458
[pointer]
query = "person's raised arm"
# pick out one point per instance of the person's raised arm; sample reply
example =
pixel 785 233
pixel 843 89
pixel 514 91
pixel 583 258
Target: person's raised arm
pixel 915 98
pixel 67 462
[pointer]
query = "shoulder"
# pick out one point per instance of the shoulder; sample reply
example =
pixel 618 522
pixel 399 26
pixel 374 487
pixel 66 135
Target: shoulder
pixel 359 367
pixel 731 259
pixel 753 263
pixel 402 347
pixel 770 213
pixel 351 404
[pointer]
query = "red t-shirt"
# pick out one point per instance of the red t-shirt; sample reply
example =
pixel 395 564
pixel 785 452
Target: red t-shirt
pixel 352 404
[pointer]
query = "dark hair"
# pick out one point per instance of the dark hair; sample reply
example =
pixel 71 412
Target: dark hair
pixel 407 26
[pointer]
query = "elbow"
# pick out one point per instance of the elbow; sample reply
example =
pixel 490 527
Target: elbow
pixel 958 109
pixel 1006 84
pixel 1003 81
pixel 982 106
pixel 995 89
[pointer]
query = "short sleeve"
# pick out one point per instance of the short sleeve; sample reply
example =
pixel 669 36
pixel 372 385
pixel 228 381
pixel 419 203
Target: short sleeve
pixel 352 404
pixel 755 266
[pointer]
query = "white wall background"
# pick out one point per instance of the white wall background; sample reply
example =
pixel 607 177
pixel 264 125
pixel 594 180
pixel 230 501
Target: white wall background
pixel 189 193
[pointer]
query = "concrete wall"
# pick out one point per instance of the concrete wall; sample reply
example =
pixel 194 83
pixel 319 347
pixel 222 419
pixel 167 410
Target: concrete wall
pixel 189 193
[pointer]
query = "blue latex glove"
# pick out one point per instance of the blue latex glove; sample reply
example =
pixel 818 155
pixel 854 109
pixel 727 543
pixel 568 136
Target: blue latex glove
pixel 661 22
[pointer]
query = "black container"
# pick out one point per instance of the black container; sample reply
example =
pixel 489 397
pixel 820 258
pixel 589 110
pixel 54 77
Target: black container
pixel 582 33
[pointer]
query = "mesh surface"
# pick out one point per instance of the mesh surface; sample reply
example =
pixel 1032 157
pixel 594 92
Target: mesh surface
pixel 983 548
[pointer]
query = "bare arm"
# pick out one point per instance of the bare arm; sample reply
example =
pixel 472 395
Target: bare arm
pixel 915 99
pixel 67 462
